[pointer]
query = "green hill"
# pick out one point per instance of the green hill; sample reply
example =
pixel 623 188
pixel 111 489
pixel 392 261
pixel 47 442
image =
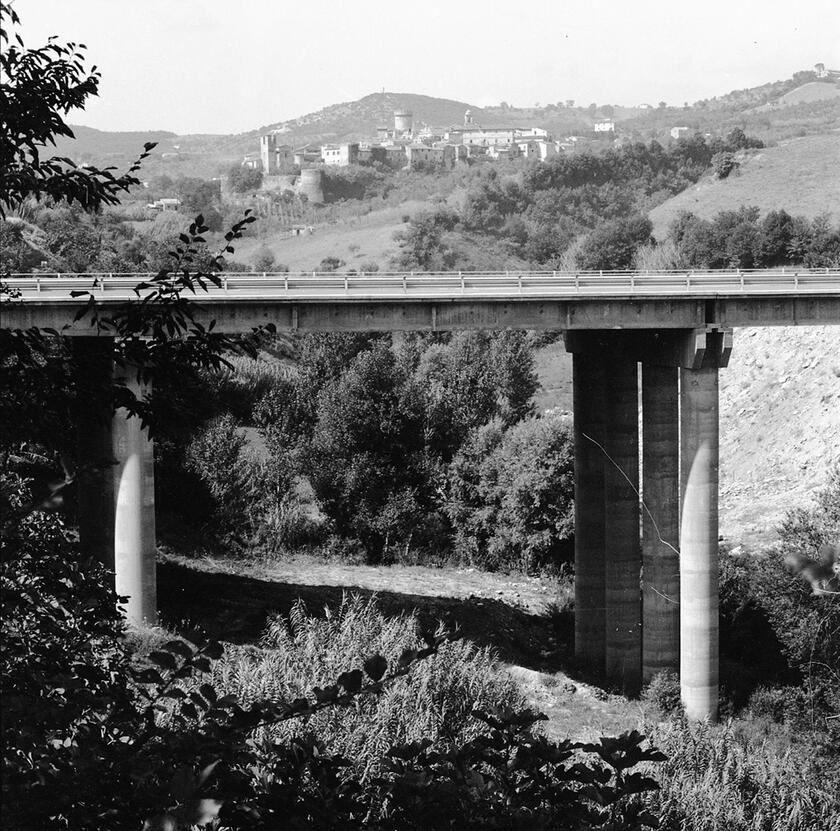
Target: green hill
pixel 813 91
pixel 800 175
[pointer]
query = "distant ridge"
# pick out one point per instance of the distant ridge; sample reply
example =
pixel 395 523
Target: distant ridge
pixel 98 145
pixel 359 119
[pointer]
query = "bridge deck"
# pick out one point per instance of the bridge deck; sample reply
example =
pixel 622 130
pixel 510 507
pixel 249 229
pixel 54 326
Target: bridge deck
pixel 507 286
pixel 453 300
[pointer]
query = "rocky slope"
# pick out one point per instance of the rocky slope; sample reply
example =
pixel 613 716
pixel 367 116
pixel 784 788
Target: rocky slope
pixel 780 425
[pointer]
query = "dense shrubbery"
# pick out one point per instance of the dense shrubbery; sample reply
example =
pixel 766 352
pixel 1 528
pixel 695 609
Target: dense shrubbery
pixel 375 428
pixel 354 182
pixel 511 495
pixel 780 619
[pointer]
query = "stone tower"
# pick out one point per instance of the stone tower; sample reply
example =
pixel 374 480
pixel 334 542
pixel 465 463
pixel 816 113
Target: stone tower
pixel 268 144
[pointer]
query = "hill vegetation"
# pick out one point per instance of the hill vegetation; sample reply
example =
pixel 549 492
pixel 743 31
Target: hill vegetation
pixel 799 176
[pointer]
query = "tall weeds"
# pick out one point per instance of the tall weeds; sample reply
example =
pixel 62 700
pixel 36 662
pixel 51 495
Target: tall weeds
pixel 302 651
pixel 717 780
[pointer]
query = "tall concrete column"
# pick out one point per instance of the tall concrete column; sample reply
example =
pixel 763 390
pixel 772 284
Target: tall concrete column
pixel 699 542
pixel 660 529
pixel 94 366
pixel 623 663
pixel 134 527
pixel 589 414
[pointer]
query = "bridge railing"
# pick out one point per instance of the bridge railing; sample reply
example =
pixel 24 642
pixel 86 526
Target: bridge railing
pixel 57 287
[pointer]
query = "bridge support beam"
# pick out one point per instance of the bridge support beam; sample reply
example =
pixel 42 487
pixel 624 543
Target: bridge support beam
pixel 589 388
pixel 94 450
pixel 621 526
pixel 660 520
pixel 134 523
pixel 699 542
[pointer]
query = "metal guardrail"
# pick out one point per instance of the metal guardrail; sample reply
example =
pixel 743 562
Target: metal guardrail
pixel 502 285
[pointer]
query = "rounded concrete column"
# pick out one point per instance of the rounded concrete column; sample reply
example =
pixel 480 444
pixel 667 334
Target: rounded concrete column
pixel 134 525
pixel 589 414
pixel 699 543
pixel 621 527
pixel 660 522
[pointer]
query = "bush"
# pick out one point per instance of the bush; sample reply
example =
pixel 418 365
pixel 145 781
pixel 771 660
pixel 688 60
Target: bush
pixel 723 164
pixel 511 495
pixel 263 258
pixel 241 487
pixel 663 692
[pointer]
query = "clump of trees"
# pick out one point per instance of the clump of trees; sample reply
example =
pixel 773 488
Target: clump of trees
pixel 243 179
pixel 385 433
pixel 745 239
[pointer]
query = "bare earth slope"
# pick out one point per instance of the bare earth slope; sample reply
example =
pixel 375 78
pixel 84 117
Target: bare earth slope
pixel 801 175
pixel 780 425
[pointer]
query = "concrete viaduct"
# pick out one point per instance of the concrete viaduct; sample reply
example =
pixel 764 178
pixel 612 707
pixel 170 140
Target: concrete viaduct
pixel 647 349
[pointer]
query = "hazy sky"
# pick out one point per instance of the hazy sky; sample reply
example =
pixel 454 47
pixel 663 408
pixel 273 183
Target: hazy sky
pixel 224 67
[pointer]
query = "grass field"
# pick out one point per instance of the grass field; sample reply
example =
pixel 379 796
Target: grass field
pixel 813 91
pixel 366 239
pixel 801 175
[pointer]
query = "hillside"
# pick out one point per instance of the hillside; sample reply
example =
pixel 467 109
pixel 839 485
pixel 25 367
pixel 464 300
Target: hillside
pixel 96 145
pixel 801 175
pixel 780 425
pixel 807 93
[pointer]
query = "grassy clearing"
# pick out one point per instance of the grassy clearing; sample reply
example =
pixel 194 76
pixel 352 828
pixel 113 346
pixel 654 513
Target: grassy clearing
pixel 363 239
pixel 799 175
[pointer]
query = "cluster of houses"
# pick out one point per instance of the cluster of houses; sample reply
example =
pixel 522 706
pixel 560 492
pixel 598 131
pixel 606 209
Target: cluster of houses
pixel 407 146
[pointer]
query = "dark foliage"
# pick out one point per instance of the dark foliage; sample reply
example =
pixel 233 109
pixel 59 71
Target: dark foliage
pixel 742 239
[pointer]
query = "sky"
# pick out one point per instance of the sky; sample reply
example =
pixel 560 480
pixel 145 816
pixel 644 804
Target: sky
pixel 222 67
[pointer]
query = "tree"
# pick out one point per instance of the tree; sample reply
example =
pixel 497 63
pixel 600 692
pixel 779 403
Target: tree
pixel 723 164
pixel 264 258
pixel 613 245
pixel 243 179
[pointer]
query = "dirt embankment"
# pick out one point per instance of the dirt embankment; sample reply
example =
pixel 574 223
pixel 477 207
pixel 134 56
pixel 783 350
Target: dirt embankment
pixel 780 425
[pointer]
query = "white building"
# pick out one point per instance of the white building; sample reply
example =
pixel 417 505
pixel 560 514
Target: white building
pixel 340 155
pixel 679 132
pixel 605 125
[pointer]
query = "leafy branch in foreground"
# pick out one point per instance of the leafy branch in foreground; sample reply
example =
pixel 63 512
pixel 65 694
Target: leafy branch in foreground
pixel 160 329
pixel 38 87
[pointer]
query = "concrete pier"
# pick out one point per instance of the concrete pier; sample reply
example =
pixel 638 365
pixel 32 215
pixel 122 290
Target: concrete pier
pixel 699 542
pixel 590 583
pixel 660 520
pixel 94 366
pixel 621 526
pixel 134 497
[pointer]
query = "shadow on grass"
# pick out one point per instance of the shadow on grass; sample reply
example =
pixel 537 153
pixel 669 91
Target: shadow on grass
pixel 235 609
